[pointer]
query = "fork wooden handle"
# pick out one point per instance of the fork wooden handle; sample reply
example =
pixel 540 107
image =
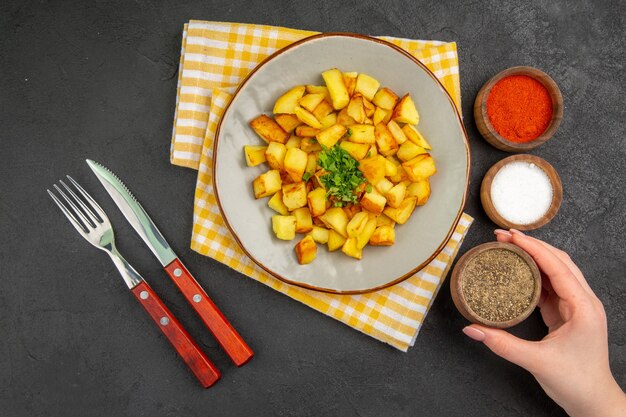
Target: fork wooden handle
pixel 226 335
pixel 204 370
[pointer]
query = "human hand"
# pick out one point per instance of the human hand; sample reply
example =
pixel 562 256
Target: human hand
pixel 572 362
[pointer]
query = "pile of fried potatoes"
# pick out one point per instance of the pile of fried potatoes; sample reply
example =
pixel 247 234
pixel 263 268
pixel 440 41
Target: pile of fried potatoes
pixel 372 124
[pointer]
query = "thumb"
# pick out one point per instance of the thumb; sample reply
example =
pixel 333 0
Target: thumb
pixel 518 351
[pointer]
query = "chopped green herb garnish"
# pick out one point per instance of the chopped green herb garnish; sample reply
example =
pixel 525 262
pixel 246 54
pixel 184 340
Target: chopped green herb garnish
pixel 348 132
pixel 368 188
pixel 342 177
pixel 306 176
pixel 369 153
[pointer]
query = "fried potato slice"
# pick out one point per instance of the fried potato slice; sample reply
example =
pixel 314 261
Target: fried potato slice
pixel 420 167
pixel 276 203
pixel 396 195
pixel 335 240
pixel 397 132
pixel 305 131
pixel 318 89
pixel 385 141
pixel 357 224
pixel 331 135
pixel 364 237
pixel 284 227
pixel 311 101
pixel 304 221
pixel 350 79
pixel 381 116
pixel 267 184
pixel 320 234
pixel 307 117
pixel 293 142
pixel 359 133
pixel 366 85
pixel 383 236
pixel 405 111
pixel 323 109
pixel 275 155
pixel 306 250
pixel 409 150
pixel 421 190
pixel 294 195
pixel 316 200
pixel 329 120
pixel 401 214
pixel 415 136
pixel 337 219
pixel 357 150
pixel 255 155
pixel 385 99
pixel 336 88
pixel 288 122
pixel 268 129
pixel 350 248
pixel 295 162
pixel 373 168
pixel 374 203
pixel 356 109
pixel 288 101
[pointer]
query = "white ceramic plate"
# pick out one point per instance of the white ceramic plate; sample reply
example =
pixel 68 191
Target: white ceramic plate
pixel 418 241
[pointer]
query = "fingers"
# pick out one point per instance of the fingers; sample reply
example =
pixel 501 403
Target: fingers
pixel 564 257
pixel 503 235
pixel 561 277
pixel 506 236
pixel 518 351
pixel 550 312
pixel 545 283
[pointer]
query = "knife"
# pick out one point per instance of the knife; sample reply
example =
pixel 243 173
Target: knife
pixel 226 335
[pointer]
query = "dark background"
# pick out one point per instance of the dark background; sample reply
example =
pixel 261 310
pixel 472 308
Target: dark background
pixel 97 79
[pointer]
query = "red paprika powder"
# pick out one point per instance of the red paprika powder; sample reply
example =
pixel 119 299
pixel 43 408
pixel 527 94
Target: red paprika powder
pixel 519 108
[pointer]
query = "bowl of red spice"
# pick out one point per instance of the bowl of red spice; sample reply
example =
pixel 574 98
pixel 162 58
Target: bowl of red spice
pixel 496 284
pixel 518 109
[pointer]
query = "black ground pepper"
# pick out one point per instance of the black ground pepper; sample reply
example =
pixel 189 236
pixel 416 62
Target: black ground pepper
pixel 498 285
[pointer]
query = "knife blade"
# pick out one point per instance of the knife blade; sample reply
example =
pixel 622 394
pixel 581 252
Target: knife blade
pixel 134 213
pixel 226 335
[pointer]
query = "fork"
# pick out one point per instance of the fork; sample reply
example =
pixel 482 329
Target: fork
pixel 92 223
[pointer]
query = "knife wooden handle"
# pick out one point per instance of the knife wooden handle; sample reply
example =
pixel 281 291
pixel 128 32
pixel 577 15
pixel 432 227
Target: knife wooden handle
pixel 204 370
pixel 226 335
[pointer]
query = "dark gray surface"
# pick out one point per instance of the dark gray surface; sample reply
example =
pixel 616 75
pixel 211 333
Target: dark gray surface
pixel 98 79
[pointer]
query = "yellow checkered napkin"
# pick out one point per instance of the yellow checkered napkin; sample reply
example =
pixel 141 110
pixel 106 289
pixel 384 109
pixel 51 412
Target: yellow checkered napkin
pixel 217 56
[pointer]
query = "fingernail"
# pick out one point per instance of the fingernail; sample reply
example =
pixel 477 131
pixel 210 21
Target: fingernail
pixel 502 232
pixel 474 333
pixel 517 232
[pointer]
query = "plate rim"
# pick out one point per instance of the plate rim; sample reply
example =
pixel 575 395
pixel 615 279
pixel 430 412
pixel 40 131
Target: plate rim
pixel 458 119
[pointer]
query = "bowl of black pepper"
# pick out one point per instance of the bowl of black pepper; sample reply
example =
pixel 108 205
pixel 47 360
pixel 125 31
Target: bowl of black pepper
pixel 496 284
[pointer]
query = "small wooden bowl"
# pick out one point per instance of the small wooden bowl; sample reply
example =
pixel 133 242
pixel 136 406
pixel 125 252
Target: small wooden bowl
pixel 484 124
pixel 456 285
pixel 557 192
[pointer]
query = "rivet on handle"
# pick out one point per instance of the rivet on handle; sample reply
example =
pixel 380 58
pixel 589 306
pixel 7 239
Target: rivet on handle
pixel 164 321
pixel 143 295
pixel 178 272
pixel 197 298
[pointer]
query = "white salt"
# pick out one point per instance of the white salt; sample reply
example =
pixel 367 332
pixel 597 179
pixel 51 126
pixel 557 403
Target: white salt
pixel 521 192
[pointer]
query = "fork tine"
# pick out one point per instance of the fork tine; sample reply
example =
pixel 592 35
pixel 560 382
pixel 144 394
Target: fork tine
pixel 91 201
pixel 87 210
pixel 77 211
pixel 77 225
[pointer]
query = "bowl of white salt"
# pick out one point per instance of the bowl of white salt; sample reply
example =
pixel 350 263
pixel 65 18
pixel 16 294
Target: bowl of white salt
pixel 522 192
